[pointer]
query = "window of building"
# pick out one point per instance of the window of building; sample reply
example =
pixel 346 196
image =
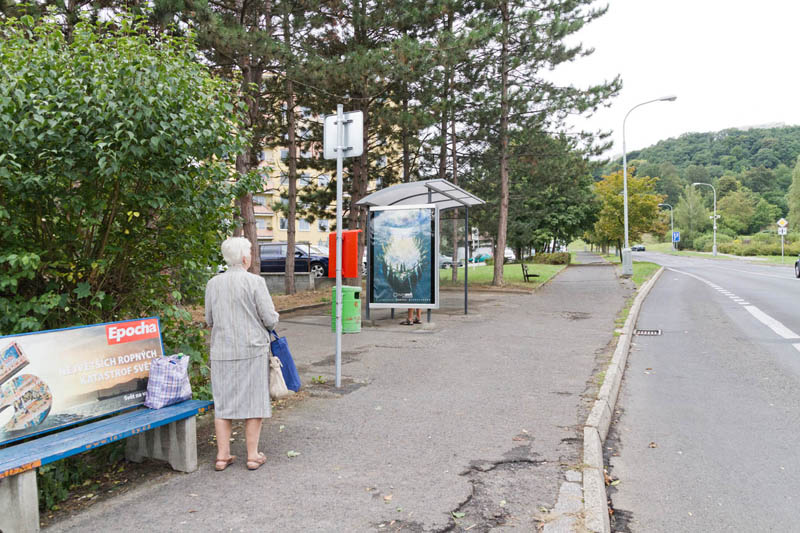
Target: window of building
pixel 305 179
pixel 303 225
pixel 284 153
pixel 261 224
pixel 259 199
pixel 323 180
pixel 324 225
pixel 284 179
pixel 283 224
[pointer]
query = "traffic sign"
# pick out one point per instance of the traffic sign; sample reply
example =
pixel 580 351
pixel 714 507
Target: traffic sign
pixel 782 231
pixel 353 135
pixel 676 236
pixel 782 223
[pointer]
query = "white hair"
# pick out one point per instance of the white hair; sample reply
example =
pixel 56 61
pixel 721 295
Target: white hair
pixel 234 248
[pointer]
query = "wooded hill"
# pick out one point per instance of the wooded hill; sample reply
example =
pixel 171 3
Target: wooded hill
pixel 759 159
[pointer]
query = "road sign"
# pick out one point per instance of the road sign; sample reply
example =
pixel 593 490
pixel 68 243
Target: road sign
pixel 353 135
pixel 676 236
pixel 782 223
pixel 474 233
pixel 782 231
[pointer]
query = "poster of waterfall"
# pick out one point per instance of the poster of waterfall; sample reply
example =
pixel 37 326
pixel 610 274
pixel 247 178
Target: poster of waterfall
pixel 404 254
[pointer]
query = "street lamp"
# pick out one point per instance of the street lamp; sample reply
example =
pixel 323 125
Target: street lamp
pixel 671 224
pixel 627 260
pixel 714 246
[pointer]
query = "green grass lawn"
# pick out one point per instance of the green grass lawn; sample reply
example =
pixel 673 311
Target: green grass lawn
pixel 642 271
pixel 512 275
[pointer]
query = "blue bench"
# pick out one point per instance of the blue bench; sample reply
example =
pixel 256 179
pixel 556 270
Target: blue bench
pixel 168 434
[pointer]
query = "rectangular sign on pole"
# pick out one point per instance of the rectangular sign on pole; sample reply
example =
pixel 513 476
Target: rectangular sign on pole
pixel 782 231
pixel 676 236
pixel 353 141
pixel 343 136
pixel 57 378
pixel 404 257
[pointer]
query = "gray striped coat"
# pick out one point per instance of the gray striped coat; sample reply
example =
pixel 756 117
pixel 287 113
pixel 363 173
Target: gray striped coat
pixel 240 313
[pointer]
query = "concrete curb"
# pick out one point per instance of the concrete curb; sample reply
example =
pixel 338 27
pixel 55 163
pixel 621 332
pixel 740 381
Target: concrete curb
pixel 595 500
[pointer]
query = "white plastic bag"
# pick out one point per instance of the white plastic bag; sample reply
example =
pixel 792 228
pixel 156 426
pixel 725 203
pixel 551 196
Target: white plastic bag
pixel 277 385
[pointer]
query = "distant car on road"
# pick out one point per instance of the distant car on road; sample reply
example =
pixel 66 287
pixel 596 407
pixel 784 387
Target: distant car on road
pixel 637 248
pixel 273 259
pixel 797 267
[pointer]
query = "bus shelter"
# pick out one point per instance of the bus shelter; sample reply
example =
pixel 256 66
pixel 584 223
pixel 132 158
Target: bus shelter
pixel 442 193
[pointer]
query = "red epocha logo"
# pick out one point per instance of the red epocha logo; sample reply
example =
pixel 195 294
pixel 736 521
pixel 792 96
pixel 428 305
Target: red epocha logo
pixel 132 331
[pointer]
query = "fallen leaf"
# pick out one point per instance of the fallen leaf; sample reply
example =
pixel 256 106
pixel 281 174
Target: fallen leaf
pixel 292 453
pixel 459 514
pixel 192 510
pixel 502 503
pixel 615 483
pixel 387 498
pixel 281 428
pixel 653 445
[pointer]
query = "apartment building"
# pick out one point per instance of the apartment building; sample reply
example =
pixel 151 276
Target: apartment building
pixel 270 223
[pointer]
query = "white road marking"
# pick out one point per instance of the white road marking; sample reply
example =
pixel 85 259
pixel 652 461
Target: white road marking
pixel 771 323
pixel 757 313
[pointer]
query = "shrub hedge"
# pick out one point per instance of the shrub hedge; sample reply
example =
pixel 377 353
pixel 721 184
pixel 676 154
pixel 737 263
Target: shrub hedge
pixel 557 258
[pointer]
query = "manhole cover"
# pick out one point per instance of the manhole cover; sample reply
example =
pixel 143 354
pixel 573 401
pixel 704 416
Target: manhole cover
pixel 648 332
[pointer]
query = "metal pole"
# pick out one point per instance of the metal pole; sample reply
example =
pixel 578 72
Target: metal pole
pixel 672 227
pixel 781 248
pixel 466 269
pixel 671 224
pixel 714 248
pixel 339 193
pixel 367 239
pixel 430 199
pixel 627 260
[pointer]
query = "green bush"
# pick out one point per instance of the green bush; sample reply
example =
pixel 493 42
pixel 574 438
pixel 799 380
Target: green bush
pixel 705 242
pixel 557 258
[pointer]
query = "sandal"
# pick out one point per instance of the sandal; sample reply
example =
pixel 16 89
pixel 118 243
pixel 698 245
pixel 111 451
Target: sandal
pixel 222 464
pixel 256 464
pixel 417 321
pixel 406 323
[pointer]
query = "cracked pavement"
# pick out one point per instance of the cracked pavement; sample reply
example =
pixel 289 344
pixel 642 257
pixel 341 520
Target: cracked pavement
pixel 468 423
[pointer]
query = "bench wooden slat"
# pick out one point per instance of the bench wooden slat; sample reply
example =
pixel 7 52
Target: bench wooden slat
pixel 53 447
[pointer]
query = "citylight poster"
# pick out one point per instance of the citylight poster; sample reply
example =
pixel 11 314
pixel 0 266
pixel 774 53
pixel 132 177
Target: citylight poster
pixel 57 378
pixel 404 257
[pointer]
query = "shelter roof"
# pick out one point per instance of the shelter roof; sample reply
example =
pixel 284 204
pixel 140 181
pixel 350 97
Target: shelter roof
pixel 443 193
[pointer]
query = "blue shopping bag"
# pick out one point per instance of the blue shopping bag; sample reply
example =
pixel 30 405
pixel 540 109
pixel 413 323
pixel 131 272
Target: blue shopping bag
pixel 280 349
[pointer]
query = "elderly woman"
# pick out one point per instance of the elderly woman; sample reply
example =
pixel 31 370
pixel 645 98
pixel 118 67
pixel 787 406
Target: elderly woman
pixel 240 313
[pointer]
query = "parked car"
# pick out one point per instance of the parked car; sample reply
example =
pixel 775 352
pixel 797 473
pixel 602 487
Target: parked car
pixel 797 267
pixel 637 248
pixel 273 259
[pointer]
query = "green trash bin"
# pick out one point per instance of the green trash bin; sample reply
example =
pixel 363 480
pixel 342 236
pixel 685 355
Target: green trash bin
pixel 351 309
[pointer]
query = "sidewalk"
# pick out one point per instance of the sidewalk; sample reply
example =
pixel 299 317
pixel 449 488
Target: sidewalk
pixel 479 414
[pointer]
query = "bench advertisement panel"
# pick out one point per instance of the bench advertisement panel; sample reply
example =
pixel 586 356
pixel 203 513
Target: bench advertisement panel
pixel 404 257
pixel 51 379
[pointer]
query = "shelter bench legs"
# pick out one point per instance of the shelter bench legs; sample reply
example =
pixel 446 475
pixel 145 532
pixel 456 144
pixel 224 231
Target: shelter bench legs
pixel 19 502
pixel 175 443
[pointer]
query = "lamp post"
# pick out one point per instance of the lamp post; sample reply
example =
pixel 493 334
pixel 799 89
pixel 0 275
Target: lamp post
pixel 714 246
pixel 627 260
pixel 671 224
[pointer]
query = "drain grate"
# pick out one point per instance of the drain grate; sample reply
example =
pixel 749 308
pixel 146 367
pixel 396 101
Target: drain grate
pixel 648 332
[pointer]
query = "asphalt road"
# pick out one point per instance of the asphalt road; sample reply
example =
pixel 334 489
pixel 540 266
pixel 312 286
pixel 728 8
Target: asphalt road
pixel 707 427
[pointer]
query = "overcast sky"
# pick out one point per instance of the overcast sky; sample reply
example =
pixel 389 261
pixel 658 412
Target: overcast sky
pixel 731 63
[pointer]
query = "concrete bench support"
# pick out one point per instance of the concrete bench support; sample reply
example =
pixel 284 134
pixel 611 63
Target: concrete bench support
pixel 19 503
pixel 175 443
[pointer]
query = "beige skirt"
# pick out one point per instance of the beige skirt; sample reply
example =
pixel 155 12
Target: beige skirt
pixel 241 388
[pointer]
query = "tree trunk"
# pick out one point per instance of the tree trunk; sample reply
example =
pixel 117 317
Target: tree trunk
pixel 454 155
pixel 443 127
pixel 248 228
pixel 406 148
pixel 291 216
pixel 356 216
pixel 502 222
